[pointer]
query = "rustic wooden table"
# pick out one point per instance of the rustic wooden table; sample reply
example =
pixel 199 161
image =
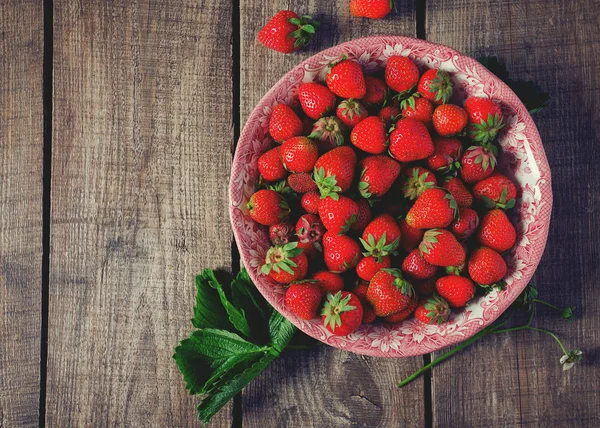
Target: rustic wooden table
pixel 117 125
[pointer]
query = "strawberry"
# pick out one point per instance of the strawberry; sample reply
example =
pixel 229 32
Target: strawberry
pixel 417 108
pixel 346 79
pixel 369 266
pixel 435 85
pixel 388 293
pixel 301 182
pixel 267 207
pixel 485 119
pixel 496 191
pixel 403 314
pixel 377 174
pixel 456 290
pixel 466 224
pixel 334 171
pixel 310 202
pixel 434 208
pixel 342 313
pixel 374 9
pixel 459 270
pixel 376 91
pixel 415 181
pixel 281 233
pixel 425 287
pixel 446 155
pixel 449 119
pixel 458 191
pixel 368 313
pixel 370 136
pixel 329 282
pixel 287 32
pixel 351 112
pixel 433 310
pixel 284 123
pixel 270 165
pixel 410 141
pixel 440 248
pixel 285 263
pixel 310 231
pixel 364 214
pixel 416 267
pixel 299 154
pixel 477 163
pixel 496 231
pixel 340 252
pixel 316 100
pixel 411 236
pixel 381 236
pixel 339 214
pixel 486 266
pixel 329 132
pixel 401 74
pixel 389 114
pixel 361 289
pixel 304 299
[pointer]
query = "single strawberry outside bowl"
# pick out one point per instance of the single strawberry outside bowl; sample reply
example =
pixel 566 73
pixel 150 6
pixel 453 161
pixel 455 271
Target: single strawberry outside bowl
pixel 522 158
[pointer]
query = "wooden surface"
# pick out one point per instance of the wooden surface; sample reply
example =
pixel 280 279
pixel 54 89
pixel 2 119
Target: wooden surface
pixel 21 166
pixel 145 113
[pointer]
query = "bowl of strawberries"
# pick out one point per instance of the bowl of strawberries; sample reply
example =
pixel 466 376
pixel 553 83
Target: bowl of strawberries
pixel 390 196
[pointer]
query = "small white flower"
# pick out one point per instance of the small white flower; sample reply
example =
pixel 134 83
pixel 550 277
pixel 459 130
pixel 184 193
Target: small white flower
pixel 570 358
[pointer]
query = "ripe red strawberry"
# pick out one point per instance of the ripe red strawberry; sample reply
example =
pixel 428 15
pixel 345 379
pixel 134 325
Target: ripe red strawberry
pixel 466 224
pixel 417 108
pixel 434 208
pixel 496 231
pixel 410 141
pixel 267 207
pixel 360 290
pixel 446 155
pixel 342 313
pixel 381 236
pixel 389 115
pixel 304 299
pixel 374 9
pixel 415 266
pixel 287 32
pixel 364 215
pixel 316 100
pixel 435 85
pixel 486 266
pixel 340 252
pixel 284 123
pixel 388 293
pixel 449 119
pixel 370 136
pixel 433 310
pixel 496 191
pixel 440 248
pixel 425 287
pixel 339 214
pixel 270 165
pixel 301 182
pixel 299 154
pixel 369 266
pixel 376 91
pixel 281 233
pixel 456 290
pixel 285 263
pixel 415 180
pixel 310 202
pixel 351 112
pixel 459 270
pixel 458 191
pixel 411 236
pixel 329 282
pixel 329 132
pixel 477 163
pixel 310 231
pixel 377 174
pixel 401 74
pixel 368 313
pixel 485 119
pixel 334 171
pixel 403 314
pixel 346 79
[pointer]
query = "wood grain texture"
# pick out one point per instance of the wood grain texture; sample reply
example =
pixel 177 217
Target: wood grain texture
pixel 324 386
pixel 516 379
pixel 141 159
pixel 21 165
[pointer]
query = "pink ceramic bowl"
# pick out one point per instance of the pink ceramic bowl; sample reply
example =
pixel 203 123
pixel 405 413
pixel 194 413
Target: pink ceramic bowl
pixel 522 158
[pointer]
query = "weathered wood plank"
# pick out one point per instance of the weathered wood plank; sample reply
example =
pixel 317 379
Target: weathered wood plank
pixel 516 380
pixel 141 160
pixel 21 165
pixel 324 386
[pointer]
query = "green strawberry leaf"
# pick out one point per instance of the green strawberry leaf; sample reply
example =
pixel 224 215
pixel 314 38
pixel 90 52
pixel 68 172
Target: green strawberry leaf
pixel 208 312
pixel 280 331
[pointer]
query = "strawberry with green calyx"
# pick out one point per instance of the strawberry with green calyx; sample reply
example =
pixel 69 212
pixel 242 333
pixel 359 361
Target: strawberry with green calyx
pixel 417 108
pixel 364 215
pixel 351 112
pixel 377 174
pixel 449 120
pixel 456 270
pixel 346 79
pixel 477 163
pixel 401 74
pixel 459 192
pixel 280 187
pixel 316 100
pixel 370 135
pixel 339 214
pixel 329 132
pixel 496 191
pixel 435 85
pixel 403 314
pixel 389 115
pixel 285 263
pixel 369 266
pixel 302 182
pixel 267 207
pixel 284 123
pixel 389 293
pixel 496 231
pixel 329 282
pixel 466 224
pixel 310 231
pixel 485 119
pixel 411 236
pixel 286 32
pixel 440 248
pixel 410 141
pixel 340 252
pixel 415 181
pixel 342 313
pixel 381 236
pixel 310 202
pixel 374 9
pixel 281 233
pixel 270 165
pixel 487 267
pixel 376 91
pixel 433 310
pixel 416 267
pixel 456 290
pixel 304 299
pixel 334 171
pixel 434 208
pixel 447 153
